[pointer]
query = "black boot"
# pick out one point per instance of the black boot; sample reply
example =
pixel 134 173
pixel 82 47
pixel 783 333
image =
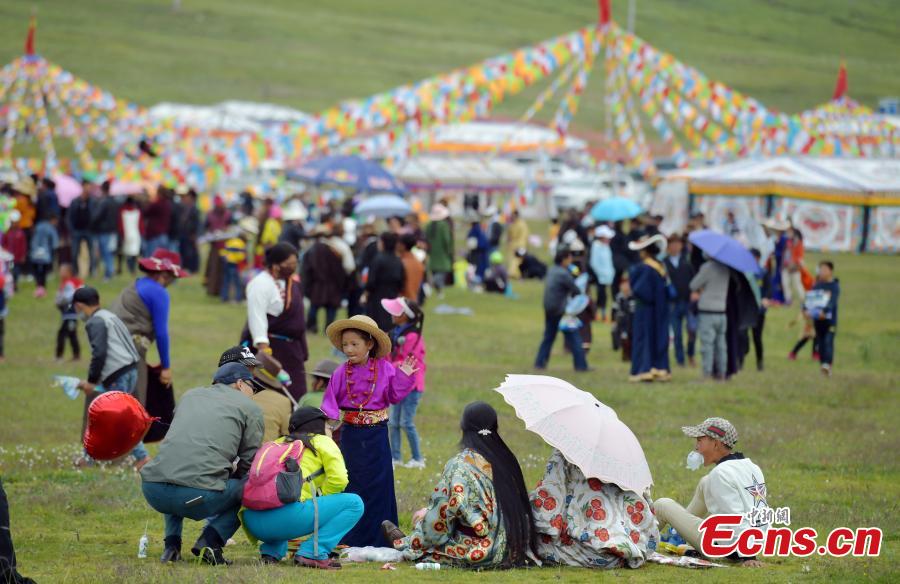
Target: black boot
pixel 172 552
pixel 209 547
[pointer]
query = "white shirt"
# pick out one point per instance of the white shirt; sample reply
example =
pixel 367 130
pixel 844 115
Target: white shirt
pixel 341 247
pixel 265 296
pixel 735 486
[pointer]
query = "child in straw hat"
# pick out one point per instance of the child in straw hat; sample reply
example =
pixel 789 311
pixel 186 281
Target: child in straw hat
pixel 359 395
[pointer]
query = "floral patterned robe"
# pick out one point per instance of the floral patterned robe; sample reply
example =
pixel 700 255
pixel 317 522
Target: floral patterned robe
pixel 462 526
pixel 586 522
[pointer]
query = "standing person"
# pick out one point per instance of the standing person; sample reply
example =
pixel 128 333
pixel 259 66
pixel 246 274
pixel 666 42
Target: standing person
pixel 68 328
pixel 9 572
pixel 131 231
pixel 385 280
pixel 710 289
pixel 621 262
pixel 47 203
pixel 104 225
pixel 217 221
pixel 406 340
pixel 413 269
pixel 650 324
pixel 80 217
pixel 158 219
pixel 203 462
pixel 792 264
pixel 735 485
pixel 478 245
pixel 764 284
pixel 44 243
pixel 324 279
pixel 516 238
pixel 777 228
pixel 602 266
pixel 293 215
pixel 494 229
pixel 680 272
pixel 440 247
pixel 233 259
pixel 16 243
pixel 824 313
pixel 559 286
pixel 4 312
pixel 114 358
pixel 359 395
pixel 189 223
pixel 144 308
pixel 276 322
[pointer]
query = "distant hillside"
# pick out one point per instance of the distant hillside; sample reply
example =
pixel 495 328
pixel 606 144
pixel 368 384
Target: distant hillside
pixel 311 54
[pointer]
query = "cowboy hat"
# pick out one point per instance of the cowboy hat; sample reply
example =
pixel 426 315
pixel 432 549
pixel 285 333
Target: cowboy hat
pixel 776 224
pixel 439 212
pixel 362 323
pixel 294 211
pixel 647 241
pixel 163 260
pixel 250 225
pixel 26 186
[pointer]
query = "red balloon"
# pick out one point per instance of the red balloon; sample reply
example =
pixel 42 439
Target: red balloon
pixel 116 423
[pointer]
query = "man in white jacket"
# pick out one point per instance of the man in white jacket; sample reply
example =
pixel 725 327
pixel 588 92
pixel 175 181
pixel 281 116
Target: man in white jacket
pixel 734 486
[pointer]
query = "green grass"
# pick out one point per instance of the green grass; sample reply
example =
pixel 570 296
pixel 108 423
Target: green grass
pixel 828 447
pixel 311 55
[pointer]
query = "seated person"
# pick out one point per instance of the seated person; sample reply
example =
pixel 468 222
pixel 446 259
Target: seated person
pixel 338 512
pixel 320 376
pixel 530 266
pixel 734 485
pixel 496 278
pixel 195 474
pixel 586 522
pixel 478 515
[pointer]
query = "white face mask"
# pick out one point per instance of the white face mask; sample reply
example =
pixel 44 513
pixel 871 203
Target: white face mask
pixel 694 460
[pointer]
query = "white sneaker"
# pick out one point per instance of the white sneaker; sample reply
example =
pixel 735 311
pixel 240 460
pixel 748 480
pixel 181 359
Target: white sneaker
pixel 419 464
pixel 396 463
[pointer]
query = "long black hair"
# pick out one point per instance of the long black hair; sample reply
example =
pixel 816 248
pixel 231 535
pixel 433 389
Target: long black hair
pixel 415 325
pixel 479 432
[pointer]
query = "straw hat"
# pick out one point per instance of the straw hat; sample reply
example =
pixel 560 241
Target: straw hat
pixel 26 186
pixel 365 324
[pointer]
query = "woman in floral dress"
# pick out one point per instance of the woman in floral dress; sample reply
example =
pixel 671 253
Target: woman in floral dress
pixel 586 522
pixel 478 515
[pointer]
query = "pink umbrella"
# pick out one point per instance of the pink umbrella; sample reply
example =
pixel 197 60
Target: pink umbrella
pixel 588 433
pixel 120 188
pixel 67 189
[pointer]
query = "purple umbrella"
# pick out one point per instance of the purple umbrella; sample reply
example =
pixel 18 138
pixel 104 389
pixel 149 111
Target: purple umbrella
pixel 724 249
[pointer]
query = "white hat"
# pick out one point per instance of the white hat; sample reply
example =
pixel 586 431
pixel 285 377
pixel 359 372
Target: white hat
pixel 647 241
pixel 776 224
pixel 490 211
pixel 576 246
pixel 294 211
pixel 439 212
pixel 250 225
pixel 604 231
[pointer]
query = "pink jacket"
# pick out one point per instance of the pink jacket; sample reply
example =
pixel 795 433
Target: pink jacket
pixel 413 345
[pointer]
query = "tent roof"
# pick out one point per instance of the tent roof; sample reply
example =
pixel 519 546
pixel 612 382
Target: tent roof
pixel 477 173
pixel 855 181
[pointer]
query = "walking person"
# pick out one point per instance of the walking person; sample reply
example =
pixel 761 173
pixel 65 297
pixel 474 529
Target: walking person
pixel 680 272
pixel 792 265
pixel 559 286
pixel 105 226
pixel 114 358
pixel 710 289
pixel 824 313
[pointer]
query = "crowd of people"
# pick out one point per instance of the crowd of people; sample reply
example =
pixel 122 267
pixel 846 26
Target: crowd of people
pixel 340 426
pixel 667 292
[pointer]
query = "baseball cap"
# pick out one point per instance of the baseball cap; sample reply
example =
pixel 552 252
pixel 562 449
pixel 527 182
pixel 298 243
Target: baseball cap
pixel 716 428
pixel 324 369
pixel 232 372
pixel 304 415
pixel 239 354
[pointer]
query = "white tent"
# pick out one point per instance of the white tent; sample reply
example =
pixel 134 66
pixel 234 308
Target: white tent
pixel 471 173
pixel 839 204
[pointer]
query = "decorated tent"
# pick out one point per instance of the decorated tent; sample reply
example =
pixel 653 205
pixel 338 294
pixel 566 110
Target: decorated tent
pixel 839 204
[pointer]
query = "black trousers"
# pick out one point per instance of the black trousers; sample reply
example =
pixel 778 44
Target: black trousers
pixel 758 338
pixel 8 572
pixel 68 330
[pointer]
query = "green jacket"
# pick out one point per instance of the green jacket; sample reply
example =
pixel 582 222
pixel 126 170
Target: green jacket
pixel 213 426
pixel 440 246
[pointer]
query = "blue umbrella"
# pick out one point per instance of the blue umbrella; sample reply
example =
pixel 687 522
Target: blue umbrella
pixel 725 249
pixel 383 206
pixel 616 209
pixel 352 172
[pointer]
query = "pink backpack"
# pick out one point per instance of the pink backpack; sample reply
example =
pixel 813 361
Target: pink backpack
pixel 270 483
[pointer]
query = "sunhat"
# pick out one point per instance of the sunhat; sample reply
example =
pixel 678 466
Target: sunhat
pixel 397 306
pixel 365 324
pixel 294 211
pixel 26 187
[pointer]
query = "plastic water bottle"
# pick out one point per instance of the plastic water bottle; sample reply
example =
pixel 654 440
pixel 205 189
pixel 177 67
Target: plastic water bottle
pixel 428 566
pixel 143 544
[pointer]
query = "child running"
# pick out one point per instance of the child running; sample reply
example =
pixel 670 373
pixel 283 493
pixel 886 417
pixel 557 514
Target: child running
pixel 359 395
pixel 68 328
pixel 406 338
